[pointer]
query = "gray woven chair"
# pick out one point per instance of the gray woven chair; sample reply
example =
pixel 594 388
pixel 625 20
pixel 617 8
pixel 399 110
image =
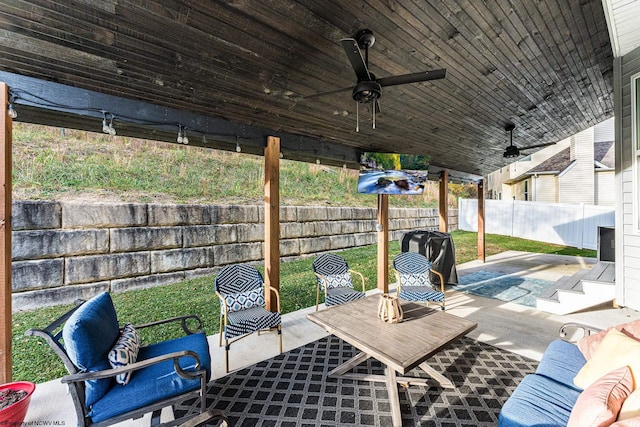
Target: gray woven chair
pixel 412 277
pixel 334 278
pixel 241 290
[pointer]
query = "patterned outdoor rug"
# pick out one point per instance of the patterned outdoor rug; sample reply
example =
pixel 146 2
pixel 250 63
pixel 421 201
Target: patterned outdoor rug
pixel 489 284
pixel 293 389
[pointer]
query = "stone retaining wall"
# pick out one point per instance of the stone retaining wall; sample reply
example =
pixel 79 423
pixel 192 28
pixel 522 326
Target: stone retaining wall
pixel 64 251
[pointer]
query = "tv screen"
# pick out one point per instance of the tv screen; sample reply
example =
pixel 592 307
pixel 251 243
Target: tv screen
pixel 392 173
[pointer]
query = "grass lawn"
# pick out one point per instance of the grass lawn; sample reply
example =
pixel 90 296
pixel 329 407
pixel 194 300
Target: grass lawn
pixel 34 361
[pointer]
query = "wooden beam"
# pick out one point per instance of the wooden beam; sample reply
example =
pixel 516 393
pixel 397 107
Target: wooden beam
pixel 383 242
pixel 481 242
pixel 444 198
pixel 5 236
pixel 272 218
pixel 145 120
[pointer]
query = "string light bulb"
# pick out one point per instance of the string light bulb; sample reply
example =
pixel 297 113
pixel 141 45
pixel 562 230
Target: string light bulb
pixel 108 128
pixel 105 126
pixel 182 135
pixel 111 129
pixel 12 112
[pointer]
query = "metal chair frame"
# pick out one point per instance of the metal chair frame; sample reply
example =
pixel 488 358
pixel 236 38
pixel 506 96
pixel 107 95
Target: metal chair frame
pixel 52 334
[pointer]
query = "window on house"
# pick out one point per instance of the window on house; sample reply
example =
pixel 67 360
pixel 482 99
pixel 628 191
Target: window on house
pixel 526 191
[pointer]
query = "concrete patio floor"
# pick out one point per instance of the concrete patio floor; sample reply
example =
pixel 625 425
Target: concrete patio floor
pixel 513 327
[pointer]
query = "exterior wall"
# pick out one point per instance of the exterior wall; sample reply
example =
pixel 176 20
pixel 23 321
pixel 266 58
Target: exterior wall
pixel 604 182
pixel 627 197
pixel 545 189
pixel 65 251
pixel 577 184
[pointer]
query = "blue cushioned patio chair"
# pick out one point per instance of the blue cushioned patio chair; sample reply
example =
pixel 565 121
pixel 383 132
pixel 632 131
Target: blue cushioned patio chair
pixel 241 290
pixel 334 278
pixel 413 279
pixel 162 375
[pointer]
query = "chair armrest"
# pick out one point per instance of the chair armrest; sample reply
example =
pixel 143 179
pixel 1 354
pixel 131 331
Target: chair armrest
pixel 362 279
pixel 323 279
pixel 586 329
pixel 182 319
pixel 210 415
pixel 108 373
pixel 269 288
pixel 441 279
pixel 224 309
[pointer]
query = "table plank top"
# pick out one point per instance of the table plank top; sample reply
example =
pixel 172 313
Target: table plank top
pixel 402 346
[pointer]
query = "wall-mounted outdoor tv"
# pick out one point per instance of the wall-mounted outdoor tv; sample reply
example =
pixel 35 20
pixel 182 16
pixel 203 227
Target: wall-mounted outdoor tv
pixel 392 173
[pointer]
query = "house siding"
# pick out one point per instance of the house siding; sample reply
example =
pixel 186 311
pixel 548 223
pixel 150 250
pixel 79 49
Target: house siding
pixel 580 176
pixel 604 182
pixel 546 189
pixel 627 235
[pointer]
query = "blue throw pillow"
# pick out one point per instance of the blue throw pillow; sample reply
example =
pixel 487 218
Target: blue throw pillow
pixel 89 334
pixel 244 300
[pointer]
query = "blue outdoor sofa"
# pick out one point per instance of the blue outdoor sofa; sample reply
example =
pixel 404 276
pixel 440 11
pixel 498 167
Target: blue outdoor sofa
pixel 546 397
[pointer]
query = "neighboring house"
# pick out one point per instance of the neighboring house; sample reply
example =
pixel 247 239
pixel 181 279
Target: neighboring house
pixel 579 169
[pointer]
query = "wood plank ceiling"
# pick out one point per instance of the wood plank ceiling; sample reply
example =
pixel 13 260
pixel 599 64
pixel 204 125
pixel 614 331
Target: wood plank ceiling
pixel 545 66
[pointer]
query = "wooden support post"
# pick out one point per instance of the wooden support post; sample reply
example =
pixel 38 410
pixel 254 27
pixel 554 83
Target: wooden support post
pixel 444 198
pixel 272 218
pixel 481 243
pixel 383 242
pixel 5 236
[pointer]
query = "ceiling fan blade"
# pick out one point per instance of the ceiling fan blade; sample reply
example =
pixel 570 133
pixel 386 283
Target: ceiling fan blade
pixel 546 144
pixel 413 78
pixel 355 57
pixel 331 92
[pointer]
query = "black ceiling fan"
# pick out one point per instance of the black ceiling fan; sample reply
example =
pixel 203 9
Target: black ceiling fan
pixel 368 88
pixel 513 151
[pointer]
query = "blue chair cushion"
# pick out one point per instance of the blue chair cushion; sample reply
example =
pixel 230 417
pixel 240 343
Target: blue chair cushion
pixel 89 334
pixel 156 382
pixel 250 320
pixel 339 281
pixel 420 293
pixel 246 299
pixel 561 362
pixel 337 296
pixel 538 401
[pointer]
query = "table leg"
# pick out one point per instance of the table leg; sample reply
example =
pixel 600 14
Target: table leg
pixel 349 364
pixel 394 398
pixel 441 379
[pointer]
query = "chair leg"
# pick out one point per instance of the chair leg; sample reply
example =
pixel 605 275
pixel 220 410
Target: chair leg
pixel 221 332
pixel 155 417
pixel 280 336
pixel 226 354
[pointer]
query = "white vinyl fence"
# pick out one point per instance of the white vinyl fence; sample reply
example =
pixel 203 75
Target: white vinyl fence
pixel 564 224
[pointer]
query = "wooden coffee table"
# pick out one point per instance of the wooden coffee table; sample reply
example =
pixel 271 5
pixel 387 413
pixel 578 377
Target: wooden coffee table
pixel 399 346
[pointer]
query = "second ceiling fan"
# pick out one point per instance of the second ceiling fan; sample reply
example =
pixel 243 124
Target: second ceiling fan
pixel 513 151
pixel 368 88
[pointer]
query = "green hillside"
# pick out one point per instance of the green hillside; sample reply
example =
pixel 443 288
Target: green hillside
pixel 55 164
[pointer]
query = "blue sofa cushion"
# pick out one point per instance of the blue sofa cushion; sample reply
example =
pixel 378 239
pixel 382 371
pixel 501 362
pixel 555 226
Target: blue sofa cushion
pixel 538 401
pixel 155 382
pixel 89 334
pixel 561 362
